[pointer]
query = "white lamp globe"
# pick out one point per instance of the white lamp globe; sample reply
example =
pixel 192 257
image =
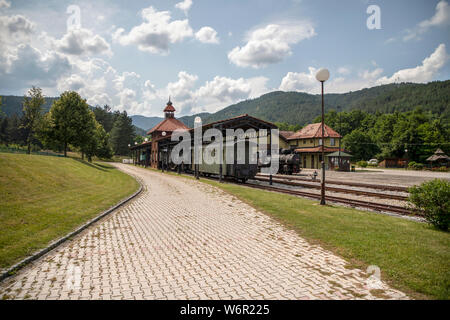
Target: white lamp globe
pixel 164 134
pixel 323 75
pixel 146 139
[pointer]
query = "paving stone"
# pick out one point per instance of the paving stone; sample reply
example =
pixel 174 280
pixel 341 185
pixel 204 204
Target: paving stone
pixel 181 239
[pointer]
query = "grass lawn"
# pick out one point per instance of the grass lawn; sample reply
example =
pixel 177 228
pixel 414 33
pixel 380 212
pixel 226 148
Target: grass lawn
pixel 43 198
pixel 412 256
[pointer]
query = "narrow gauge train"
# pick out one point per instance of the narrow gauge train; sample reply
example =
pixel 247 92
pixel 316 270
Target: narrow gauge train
pixel 242 170
pixel 289 162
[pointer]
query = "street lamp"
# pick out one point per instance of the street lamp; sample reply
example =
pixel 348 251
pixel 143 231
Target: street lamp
pixel 197 141
pixel 340 133
pixel 323 75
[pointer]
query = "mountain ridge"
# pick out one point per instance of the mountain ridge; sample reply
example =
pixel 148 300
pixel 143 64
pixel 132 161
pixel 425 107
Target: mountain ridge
pixel 301 108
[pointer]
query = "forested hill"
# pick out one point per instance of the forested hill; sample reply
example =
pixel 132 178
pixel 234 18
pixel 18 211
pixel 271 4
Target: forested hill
pixel 302 108
pixel 11 105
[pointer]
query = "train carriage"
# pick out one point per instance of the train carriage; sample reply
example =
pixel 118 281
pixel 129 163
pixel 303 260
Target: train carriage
pixel 240 168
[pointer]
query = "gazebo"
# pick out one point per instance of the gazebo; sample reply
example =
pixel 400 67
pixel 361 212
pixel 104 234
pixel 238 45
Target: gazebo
pixel 333 160
pixel 439 159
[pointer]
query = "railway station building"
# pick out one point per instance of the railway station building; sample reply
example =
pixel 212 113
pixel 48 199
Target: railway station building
pixel 153 152
pixel 308 143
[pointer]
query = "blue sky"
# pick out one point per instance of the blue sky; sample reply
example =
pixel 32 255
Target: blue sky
pixel 210 54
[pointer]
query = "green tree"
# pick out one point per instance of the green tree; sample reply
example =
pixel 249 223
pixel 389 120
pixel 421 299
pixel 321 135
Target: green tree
pixel 68 122
pixel 122 134
pixel 106 117
pixel 360 144
pixel 32 115
pixel 104 149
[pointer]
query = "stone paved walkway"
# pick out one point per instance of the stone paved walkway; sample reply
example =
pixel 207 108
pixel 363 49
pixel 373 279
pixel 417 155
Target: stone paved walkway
pixel 185 240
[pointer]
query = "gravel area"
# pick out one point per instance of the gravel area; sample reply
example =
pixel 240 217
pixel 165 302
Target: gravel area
pixel 392 177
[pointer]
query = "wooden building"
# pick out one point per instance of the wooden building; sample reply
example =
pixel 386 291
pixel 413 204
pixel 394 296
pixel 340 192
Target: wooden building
pixel 394 163
pixel 439 159
pixel 308 142
pixel 146 154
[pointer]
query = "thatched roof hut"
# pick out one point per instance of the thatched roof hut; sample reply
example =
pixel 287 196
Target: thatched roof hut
pixel 439 158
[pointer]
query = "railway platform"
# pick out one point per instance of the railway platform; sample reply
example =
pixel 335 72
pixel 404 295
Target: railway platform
pixel 181 239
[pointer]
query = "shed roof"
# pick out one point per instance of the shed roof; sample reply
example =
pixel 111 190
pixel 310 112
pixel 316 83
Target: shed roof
pixel 316 149
pixel 343 154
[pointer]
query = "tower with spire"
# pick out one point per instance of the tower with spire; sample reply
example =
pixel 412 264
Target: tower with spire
pixel 164 129
pixel 169 110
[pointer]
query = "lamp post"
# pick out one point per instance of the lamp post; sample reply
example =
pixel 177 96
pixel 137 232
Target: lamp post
pixel 197 141
pixel 340 130
pixel 323 75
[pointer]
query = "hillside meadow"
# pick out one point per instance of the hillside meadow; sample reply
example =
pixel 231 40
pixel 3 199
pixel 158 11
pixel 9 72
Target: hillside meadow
pixel 44 198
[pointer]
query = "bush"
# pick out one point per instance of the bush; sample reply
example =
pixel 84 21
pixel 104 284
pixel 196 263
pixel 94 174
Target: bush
pixel 415 165
pixel 362 164
pixel 432 198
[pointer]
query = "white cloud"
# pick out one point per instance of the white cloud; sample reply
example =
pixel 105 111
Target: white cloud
pixel 306 81
pixel 343 70
pixel 4 4
pixel 15 28
pixel 25 66
pixel 270 44
pixel 82 41
pixel 441 18
pixel 222 91
pixel 207 35
pixel 302 81
pixel 156 32
pixel 184 6
pixel 371 75
pixel 425 72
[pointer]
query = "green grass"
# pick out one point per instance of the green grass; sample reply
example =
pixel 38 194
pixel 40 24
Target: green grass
pixel 43 198
pixel 413 256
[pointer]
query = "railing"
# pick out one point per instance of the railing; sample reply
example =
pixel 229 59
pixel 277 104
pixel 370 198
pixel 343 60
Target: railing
pixel 23 150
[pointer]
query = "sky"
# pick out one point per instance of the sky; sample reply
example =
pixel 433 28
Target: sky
pixel 208 54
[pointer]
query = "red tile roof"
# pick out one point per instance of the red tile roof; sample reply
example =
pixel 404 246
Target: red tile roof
pixel 316 149
pixel 286 134
pixel 169 125
pixel 314 130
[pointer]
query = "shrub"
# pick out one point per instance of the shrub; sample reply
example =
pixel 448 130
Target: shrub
pixel 432 198
pixel 362 164
pixel 415 165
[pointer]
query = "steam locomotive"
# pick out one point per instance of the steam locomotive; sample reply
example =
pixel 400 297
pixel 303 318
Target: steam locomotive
pixel 289 162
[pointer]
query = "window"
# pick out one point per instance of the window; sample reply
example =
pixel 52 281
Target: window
pixel 332 142
pixel 311 141
pixel 320 142
pixel 304 141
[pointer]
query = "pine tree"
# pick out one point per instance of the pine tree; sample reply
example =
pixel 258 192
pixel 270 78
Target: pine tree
pixel 32 115
pixel 122 134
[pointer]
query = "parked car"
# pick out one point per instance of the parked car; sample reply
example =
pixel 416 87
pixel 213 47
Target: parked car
pixel 372 162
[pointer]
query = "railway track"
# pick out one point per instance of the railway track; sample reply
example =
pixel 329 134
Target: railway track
pixel 351 202
pixel 344 183
pixel 287 181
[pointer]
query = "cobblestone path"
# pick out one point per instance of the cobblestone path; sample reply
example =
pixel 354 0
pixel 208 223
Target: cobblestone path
pixel 185 240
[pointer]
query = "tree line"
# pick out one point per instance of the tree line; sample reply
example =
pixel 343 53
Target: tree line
pixel 70 125
pixel 414 135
